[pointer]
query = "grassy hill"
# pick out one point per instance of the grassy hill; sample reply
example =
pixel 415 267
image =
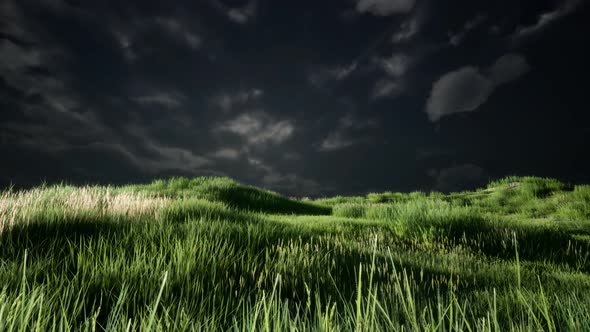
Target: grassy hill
pixel 213 254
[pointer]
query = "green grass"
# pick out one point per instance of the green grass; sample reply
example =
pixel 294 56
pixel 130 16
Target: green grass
pixel 210 254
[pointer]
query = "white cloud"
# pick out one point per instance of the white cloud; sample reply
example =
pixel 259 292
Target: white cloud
pixel 384 7
pixel 258 129
pixel 467 88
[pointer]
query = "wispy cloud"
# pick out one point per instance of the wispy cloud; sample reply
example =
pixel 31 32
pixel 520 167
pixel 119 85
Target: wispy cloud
pixel 226 101
pixel 179 30
pixel 258 129
pixel 456 38
pixel 546 19
pixel 385 7
pixel 396 65
pixel 386 89
pixel 335 141
pixel 162 99
pixel 320 77
pixel 162 157
pixel 292 183
pixel 227 153
pixel 347 133
pixel 238 15
pixel 408 29
pixel 128 34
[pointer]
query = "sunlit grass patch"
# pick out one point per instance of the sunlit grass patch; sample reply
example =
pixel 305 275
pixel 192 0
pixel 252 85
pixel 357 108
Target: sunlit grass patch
pixel 62 204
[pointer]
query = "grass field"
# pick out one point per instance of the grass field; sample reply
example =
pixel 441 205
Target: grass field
pixel 212 254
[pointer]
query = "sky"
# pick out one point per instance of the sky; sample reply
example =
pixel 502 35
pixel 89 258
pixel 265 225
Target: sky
pixel 307 98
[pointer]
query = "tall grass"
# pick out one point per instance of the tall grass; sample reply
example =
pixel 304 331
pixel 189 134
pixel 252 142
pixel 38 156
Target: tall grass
pixel 183 254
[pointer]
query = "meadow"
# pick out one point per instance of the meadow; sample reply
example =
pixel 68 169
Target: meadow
pixel 211 254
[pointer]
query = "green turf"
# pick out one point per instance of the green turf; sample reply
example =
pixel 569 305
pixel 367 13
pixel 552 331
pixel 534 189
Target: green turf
pixel 213 254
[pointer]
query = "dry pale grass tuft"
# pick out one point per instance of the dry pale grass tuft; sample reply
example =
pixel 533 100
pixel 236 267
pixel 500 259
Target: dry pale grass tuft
pixel 97 201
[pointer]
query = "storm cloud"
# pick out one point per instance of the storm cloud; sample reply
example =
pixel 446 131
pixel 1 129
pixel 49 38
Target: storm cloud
pixel 306 98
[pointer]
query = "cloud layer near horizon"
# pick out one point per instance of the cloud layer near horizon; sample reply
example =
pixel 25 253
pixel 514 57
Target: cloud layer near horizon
pixel 311 99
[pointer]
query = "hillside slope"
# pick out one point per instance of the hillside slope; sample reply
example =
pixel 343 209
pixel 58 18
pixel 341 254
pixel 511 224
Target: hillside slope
pixel 213 254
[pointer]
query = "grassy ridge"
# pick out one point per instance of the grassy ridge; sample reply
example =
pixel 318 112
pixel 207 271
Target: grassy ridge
pixel 212 254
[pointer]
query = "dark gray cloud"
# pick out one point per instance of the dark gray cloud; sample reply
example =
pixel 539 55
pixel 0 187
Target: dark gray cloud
pixel 407 30
pixel 384 7
pixel 462 90
pixel 227 153
pixel 386 88
pixel 227 101
pixel 350 130
pixel 163 99
pixel 467 88
pixel 258 129
pixel 544 20
pixel 396 65
pixel 508 68
pixel 303 97
pixel 320 77
pixel 457 37
pixel 238 15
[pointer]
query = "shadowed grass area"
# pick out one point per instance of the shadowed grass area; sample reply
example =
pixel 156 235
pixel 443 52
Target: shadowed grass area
pixel 211 254
pixel 231 193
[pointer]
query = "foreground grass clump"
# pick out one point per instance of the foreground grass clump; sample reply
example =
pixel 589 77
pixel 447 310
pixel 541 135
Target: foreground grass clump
pixel 212 254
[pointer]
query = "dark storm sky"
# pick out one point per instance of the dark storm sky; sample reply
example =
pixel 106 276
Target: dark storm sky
pixel 303 97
